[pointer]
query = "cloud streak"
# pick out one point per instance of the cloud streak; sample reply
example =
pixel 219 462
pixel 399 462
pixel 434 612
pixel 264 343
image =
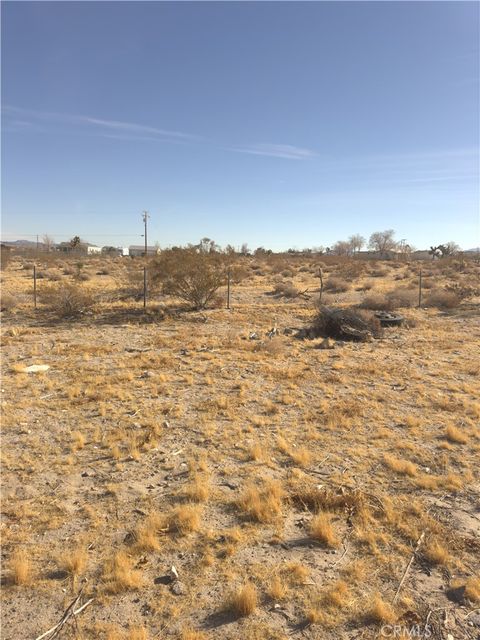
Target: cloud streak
pixel 286 151
pixel 100 125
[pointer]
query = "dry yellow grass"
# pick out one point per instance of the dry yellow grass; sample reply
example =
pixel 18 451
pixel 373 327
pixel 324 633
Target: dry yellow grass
pixel 262 504
pixel 381 611
pixel 404 467
pixel 321 529
pixel 277 589
pixel 184 519
pixel 164 439
pixel 436 552
pixel 472 589
pixel 244 600
pixel 119 574
pixel 20 568
pixel 74 561
pixel 453 434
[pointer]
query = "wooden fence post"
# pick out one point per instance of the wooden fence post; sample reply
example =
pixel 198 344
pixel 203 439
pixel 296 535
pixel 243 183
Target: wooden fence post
pixel 320 275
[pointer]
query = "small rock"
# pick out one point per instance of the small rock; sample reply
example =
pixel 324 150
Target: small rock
pixel 35 368
pixel 178 588
pixel 253 336
pixel 475 620
pixel 457 594
pixel 328 343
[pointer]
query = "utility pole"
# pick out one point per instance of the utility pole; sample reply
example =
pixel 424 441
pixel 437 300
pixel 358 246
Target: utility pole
pixel 145 216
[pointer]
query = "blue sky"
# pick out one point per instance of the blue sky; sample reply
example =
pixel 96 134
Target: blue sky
pixel 282 124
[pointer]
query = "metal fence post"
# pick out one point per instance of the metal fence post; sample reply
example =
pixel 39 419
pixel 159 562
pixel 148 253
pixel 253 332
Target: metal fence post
pixel 34 287
pixel 228 289
pixel 420 289
pixel 144 287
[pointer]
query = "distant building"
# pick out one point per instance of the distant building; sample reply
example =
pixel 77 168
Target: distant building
pixel 139 250
pixel 115 251
pixel 421 255
pixel 64 247
pixel 82 249
pixel 379 255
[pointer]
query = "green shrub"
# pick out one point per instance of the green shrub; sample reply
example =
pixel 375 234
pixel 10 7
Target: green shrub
pixel 191 275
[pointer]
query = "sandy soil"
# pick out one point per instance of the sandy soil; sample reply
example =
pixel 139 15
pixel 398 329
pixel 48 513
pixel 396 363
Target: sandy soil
pixel 289 486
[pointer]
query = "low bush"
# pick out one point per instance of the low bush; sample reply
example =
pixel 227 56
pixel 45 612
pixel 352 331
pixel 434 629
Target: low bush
pixel 401 298
pixel 8 301
pixel 375 302
pixel 352 270
pixel 443 300
pixel 463 291
pixel 69 271
pixel 285 290
pixel 396 299
pixel 366 286
pixel 336 285
pixel 379 272
pixel 5 256
pixel 344 324
pixel 68 300
pixel 191 275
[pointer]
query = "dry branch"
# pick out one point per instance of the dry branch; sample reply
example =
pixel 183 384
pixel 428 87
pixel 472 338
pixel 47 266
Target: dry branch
pixel 417 547
pixel 70 612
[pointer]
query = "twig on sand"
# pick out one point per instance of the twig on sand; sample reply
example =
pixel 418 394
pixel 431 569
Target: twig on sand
pixel 419 542
pixel 70 612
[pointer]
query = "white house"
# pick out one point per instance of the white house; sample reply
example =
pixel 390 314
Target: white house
pixel 93 250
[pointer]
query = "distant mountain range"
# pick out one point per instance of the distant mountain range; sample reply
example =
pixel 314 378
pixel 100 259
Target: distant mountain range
pixel 22 243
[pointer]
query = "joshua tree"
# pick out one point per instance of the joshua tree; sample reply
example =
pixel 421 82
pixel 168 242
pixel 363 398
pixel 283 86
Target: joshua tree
pixel 75 242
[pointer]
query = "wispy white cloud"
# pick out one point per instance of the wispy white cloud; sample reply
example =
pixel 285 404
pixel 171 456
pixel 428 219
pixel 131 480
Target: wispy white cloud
pixel 286 151
pixel 98 124
pixel 136 128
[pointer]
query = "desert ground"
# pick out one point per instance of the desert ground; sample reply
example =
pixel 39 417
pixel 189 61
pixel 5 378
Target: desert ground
pixel 185 475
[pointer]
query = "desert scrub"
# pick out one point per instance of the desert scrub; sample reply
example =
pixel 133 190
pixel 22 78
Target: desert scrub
pixel 443 300
pixel 336 285
pixel 68 299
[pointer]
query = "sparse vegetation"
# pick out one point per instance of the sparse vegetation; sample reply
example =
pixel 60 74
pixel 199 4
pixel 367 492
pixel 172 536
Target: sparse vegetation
pixel 244 601
pixel 68 300
pixel 171 457
pixel 190 274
